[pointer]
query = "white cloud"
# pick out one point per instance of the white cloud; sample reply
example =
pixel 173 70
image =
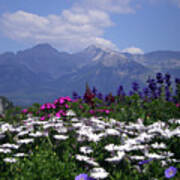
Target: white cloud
pixel 72 30
pixel 112 6
pixel 133 50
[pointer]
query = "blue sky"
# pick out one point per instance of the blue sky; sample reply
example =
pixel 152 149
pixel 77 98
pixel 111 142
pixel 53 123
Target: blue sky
pixel 135 26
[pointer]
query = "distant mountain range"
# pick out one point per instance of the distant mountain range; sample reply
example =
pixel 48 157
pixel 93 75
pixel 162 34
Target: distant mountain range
pixel 42 74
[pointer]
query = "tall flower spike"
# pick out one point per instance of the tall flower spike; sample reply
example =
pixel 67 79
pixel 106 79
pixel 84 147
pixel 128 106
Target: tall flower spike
pixel 159 78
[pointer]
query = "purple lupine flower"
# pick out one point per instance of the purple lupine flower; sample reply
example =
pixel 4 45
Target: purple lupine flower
pixel 131 93
pixel 94 91
pixel 140 94
pixel 159 78
pixel 168 94
pixel 135 86
pixel 170 172
pixel 152 85
pixel 167 77
pixel 177 80
pixel 159 91
pixel 120 90
pixel 75 95
pixel 145 91
pixel 145 161
pixel 100 96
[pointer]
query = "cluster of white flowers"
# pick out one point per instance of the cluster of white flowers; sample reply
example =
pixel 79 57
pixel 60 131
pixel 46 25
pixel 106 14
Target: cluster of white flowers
pixel 95 132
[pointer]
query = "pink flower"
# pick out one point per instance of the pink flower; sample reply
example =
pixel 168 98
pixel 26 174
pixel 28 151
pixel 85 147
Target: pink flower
pixel 56 101
pixel 61 101
pixel 178 105
pixel 62 112
pixel 24 111
pixel 91 111
pixel 66 105
pixel 80 106
pixel 53 106
pixel 48 106
pixel 107 111
pixel 42 118
pixel 43 107
pixel 58 114
pixel 67 98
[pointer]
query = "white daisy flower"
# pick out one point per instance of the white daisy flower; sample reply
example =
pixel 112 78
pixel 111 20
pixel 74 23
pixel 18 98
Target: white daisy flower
pixel 155 156
pixel 22 133
pixel 37 134
pixel 159 146
pixel 7 145
pixel 60 137
pixel 20 155
pixel 98 173
pixel 112 132
pixel 62 130
pixel 5 150
pixel 86 149
pixel 137 157
pixel 70 113
pixel 25 141
pixel 109 147
pixel 11 160
pixel 82 157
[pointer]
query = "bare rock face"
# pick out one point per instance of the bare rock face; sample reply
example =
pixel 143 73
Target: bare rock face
pixel 5 104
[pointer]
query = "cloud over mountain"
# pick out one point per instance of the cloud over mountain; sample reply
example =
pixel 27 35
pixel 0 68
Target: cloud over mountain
pixel 133 50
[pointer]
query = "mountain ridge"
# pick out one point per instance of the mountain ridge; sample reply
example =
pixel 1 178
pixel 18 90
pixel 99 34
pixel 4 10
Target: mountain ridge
pixel 44 73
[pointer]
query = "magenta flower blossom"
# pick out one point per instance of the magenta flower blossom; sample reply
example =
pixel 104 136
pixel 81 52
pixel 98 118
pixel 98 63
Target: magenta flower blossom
pixel 66 105
pixel 91 111
pixel 56 101
pixel 81 107
pixel 58 114
pixel 67 98
pixel 48 106
pixel 170 172
pixel 53 106
pixel 107 111
pixel 42 118
pixel 61 101
pixel 177 105
pixel 43 107
pixel 24 111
